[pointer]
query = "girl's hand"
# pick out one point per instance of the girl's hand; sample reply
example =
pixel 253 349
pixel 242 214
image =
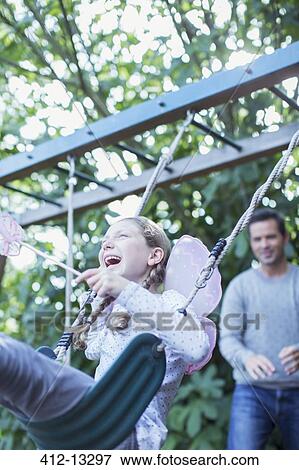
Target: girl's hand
pixel 103 282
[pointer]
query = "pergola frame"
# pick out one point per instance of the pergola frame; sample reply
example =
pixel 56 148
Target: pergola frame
pixel 265 72
pixel 182 169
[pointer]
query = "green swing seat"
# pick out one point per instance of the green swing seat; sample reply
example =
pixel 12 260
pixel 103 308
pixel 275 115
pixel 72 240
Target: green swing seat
pixel 109 411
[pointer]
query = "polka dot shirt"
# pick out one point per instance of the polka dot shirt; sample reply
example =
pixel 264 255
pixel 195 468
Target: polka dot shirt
pixel 184 338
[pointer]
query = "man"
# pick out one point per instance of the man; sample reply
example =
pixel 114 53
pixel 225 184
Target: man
pixel 260 339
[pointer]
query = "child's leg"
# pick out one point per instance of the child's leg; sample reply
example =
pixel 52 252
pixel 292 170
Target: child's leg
pixel 35 386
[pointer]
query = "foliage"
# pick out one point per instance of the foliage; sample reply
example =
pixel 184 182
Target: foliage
pixel 65 63
pixel 198 417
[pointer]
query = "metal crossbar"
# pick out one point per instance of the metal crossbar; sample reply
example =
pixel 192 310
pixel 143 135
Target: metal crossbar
pixel 38 197
pixel 284 97
pixel 266 71
pixel 213 133
pixel 183 169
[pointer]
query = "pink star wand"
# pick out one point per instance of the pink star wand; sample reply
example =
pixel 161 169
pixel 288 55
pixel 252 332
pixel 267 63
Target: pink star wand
pixel 11 241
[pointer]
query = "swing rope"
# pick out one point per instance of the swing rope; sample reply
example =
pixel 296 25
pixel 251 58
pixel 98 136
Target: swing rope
pixel 164 160
pixel 222 246
pixel 62 348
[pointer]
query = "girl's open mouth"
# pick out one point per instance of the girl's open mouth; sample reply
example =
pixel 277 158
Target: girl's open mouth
pixel 111 260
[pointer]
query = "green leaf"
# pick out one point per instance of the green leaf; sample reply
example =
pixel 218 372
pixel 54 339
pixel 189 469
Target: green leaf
pixel 194 423
pixel 177 417
pixel 210 411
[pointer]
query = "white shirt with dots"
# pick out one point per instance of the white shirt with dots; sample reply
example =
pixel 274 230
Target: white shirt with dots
pixel 184 337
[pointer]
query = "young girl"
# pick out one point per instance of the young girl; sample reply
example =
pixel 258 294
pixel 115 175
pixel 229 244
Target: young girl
pixel 133 258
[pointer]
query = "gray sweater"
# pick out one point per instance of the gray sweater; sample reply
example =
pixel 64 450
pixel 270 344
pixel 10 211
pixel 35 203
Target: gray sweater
pixel 260 315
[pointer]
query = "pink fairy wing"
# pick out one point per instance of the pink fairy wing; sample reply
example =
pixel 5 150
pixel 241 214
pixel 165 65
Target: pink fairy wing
pixel 11 234
pixel 186 260
pixel 210 328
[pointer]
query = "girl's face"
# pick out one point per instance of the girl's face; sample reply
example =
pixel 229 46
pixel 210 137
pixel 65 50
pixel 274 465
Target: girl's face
pixel 125 252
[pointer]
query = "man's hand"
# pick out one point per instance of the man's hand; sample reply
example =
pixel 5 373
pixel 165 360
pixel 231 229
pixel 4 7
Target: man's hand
pixel 259 366
pixel 103 282
pixel 289 358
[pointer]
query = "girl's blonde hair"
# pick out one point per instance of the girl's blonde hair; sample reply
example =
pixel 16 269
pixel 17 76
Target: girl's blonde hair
pixel 155 237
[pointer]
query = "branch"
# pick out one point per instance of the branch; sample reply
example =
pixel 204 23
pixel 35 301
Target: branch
pixel 179 33
pixel 10 62
pixel 190 29
pixel 19 67
pixel 56 46
pixel 224 114
pixel 87 49
pixel 100 105
pixel 21 33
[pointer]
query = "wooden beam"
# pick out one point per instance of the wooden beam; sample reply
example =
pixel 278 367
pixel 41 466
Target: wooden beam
pixel 182 169
pixel 265 71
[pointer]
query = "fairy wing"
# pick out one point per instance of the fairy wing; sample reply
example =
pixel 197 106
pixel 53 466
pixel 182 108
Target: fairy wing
pixel 210 329
pixel 186 260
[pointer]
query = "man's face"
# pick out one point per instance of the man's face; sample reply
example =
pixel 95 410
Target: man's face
pixel 267 243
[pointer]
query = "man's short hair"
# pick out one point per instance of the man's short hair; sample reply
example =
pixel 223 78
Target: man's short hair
pixel 260 215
